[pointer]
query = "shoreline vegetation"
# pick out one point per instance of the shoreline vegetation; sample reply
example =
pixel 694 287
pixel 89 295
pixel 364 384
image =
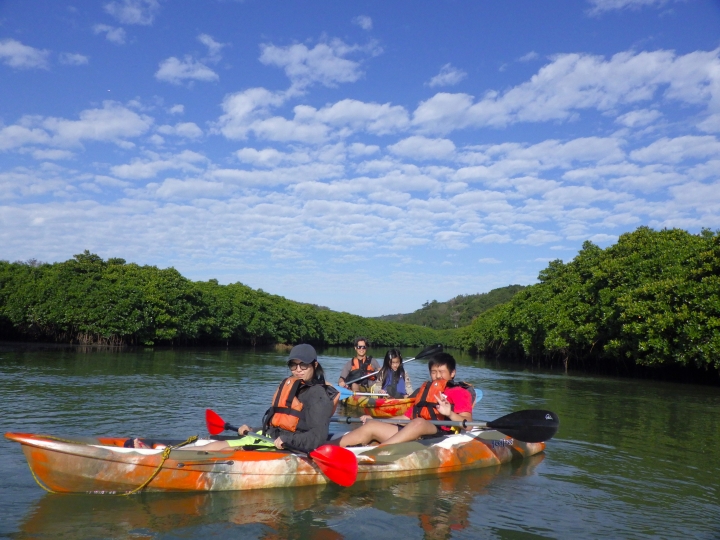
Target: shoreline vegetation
pixel 646 306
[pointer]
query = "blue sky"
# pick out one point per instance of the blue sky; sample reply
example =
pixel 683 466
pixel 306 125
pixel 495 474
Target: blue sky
pixel 367 156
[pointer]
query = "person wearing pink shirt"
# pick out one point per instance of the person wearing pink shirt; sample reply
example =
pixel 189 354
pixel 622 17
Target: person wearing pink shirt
pixel 440 398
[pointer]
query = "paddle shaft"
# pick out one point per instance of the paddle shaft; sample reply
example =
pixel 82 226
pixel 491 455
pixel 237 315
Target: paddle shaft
pixel 376 372
pixel 448 423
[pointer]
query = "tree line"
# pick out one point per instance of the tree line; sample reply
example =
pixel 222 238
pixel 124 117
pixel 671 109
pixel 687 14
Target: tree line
pixel 456 312
pixel 89 300
pixel 652 299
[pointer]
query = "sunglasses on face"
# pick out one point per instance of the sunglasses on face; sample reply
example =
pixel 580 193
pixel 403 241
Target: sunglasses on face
pixel 361 346
pixel 298 365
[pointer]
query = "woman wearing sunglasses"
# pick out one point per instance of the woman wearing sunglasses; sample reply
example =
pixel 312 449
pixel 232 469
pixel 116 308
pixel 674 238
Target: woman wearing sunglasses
pixel 300 411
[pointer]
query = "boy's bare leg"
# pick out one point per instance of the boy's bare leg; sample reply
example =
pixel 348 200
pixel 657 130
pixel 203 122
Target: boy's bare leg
pixel 414 430
pixel 370 431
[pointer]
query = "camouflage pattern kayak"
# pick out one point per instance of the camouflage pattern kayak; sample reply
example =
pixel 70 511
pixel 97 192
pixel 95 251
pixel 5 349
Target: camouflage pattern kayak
pixel 104 465
pixel 379 407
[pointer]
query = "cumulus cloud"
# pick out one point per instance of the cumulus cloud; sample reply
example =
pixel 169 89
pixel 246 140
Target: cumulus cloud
pixel 363 21
pixel 112 34
pixel 448 76
pixel 176 71
pixel 532 55
pixel 73 59
pixel 638 118
pixel 177 109
pixel 326 63
pixel 599 6
pixel 214 48
pixel 112 123
pixel 134 11
pixel 573 82
pixel 16 55
pixel 675 150
pixel 422 148
pixel 149 168
pixel 188 130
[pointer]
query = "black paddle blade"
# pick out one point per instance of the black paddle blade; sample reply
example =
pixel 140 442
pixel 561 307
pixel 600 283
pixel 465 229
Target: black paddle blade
pixel 532 425
pixel 429 351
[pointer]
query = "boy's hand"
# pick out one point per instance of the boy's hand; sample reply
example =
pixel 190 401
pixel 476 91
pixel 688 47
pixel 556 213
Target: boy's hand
pixel 444 407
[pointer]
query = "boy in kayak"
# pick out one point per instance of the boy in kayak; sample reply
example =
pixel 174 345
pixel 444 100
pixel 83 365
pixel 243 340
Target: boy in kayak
pixel 357 367
pixel 440 398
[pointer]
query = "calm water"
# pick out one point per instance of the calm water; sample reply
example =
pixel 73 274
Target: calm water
pixel 632 459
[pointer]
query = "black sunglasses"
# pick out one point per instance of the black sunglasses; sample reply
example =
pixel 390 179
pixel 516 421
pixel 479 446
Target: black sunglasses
pixel 298 365
pixel 361 346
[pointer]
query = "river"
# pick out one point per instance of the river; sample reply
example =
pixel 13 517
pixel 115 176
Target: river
pixel 632 458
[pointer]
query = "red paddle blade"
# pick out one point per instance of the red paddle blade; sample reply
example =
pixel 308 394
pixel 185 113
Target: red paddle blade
pixel 215 424
pixel 337 463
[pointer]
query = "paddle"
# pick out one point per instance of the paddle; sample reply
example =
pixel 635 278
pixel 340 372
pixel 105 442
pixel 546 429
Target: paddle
pixel 427 351
pixel 345 393
pixel 337 463
pixel 530 425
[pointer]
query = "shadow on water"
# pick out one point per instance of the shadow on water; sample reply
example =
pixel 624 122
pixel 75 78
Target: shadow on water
pixel 430 507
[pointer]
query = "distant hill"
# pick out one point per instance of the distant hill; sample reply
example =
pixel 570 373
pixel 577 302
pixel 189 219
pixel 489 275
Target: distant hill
pixel 457 312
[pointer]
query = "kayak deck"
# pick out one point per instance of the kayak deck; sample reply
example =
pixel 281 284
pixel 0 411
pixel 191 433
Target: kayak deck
pixel 102 465
pixel 379 407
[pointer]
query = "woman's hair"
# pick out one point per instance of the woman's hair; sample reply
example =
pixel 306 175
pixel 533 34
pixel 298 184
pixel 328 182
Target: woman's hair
pixel 319 376
pixel 387 368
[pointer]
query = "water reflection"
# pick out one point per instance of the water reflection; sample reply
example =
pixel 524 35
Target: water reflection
pixel 429 507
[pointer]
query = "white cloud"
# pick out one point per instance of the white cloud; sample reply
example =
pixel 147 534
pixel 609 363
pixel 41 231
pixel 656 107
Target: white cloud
pixel 489 260
pixel 133 11
pixel 363 21
pixel 52 154
pixel 73 59
pixel 532 55
pixel 493 238
pixel 112 34
pixel 270 157
pixel 243 108
pixel 112 123
pixel 711 124
pixel 448 76
pixel 177 109
pixel 176 71
pixel 379 119
pixel 598 6
pixel 15 54
pixel 421 148
pixel 325 63
pixel 173 188
pixel 16 136
pixel 188 130
pixel 214 48
pixel 678 149
pixel 573 82
pixel 638 118
pixel 142 169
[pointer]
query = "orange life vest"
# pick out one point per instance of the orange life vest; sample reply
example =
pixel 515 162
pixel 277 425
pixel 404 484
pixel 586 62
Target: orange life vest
pixel 359 369
pixel 426 400
pixel 287 410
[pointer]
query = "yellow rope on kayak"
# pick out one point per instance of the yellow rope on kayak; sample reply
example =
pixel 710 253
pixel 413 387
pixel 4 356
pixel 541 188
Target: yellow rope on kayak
pixel 165 455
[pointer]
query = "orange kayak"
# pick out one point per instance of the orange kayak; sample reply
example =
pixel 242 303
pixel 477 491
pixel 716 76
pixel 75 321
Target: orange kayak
pixel 379 407
pixel 103 465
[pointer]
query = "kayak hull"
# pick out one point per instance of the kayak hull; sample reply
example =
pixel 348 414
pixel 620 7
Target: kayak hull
pixel 379 407
pixel 104 466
